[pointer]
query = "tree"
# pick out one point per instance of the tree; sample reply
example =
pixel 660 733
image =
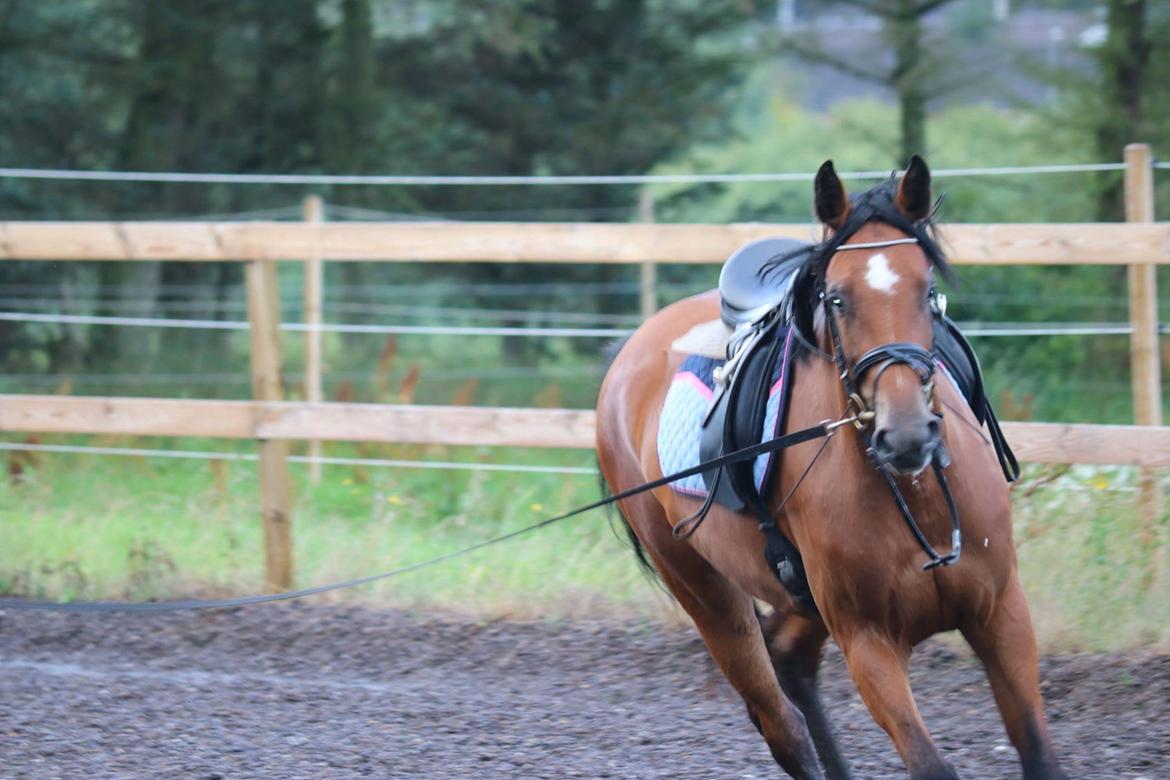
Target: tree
pixel 912 76
pixel 563 87
pixel 357 86
pixel 61 66
pixel 1123 63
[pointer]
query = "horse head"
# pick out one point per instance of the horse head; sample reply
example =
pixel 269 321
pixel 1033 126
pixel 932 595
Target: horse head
pixel 872 287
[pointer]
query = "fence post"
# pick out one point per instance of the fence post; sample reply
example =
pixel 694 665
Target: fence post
pixel 648 282
pixel 1145 364
pixel 314 209
pixel 275 488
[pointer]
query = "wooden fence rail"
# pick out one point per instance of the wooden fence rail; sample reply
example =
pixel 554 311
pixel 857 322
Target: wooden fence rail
pixel 1141 244
pixel 503 242
pixel 1128 445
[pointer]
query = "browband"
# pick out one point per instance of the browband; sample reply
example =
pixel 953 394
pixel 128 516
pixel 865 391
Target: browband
pixel 877 244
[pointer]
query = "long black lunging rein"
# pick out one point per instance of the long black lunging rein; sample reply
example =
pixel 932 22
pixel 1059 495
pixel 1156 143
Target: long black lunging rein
pixel 824 429
pixel 856 413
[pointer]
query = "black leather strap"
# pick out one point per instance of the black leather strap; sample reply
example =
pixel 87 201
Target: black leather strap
pixel 899 352
pixel 953 347
pixel 747 453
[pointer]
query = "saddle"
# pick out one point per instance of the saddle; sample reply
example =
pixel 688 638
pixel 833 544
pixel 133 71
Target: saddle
pixel 750 300
pixel 755 294
pixel 748 289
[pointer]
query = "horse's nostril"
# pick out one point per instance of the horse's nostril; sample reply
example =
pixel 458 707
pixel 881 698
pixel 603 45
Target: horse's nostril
pixel 906 447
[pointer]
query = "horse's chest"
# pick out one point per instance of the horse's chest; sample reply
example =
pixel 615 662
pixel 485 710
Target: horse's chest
pixel 881 580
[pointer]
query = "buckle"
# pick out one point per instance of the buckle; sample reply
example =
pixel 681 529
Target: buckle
pixel 738 348
pixel 855 407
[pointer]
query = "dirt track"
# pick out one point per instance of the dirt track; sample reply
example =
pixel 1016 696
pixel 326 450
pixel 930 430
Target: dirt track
pixel 321 691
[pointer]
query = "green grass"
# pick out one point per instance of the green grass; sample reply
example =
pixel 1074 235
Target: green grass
pixel 134 528
pixel 1087 565
pixel 89 527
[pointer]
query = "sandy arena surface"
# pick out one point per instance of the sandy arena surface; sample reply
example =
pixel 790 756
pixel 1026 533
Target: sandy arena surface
pixel 336 692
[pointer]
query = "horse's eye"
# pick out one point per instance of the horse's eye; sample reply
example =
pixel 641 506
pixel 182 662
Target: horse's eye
pixel 836 301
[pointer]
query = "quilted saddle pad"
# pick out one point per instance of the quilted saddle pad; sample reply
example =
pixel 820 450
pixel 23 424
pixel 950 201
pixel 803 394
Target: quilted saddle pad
pixel 687 403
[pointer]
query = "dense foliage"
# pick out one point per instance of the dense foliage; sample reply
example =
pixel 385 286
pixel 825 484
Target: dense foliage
pixel 532 86
pixel 548 86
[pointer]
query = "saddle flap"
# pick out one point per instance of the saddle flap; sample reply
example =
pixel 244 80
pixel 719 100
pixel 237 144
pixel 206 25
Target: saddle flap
pixel 952 349
pixel 738 415
pixel 957 355
pixel 711 446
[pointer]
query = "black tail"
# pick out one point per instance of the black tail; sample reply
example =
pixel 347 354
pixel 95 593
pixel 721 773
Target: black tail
pixel 611 352
pixel 631 537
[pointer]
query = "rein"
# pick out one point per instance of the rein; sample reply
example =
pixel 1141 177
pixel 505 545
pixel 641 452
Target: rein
pixel 825 430
pixel 856 413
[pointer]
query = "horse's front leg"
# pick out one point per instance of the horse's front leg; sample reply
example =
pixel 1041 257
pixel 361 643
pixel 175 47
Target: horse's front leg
pixel 726 619
pixel 1007 647
pixel 879 668
pixel 795 643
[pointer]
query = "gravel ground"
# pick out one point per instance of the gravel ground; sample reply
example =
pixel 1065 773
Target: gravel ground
pixel 327 691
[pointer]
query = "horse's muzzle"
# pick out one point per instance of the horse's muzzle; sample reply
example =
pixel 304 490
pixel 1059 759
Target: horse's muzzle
pixel 907 446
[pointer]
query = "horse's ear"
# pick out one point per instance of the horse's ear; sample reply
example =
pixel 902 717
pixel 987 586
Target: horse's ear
pixel 829 196
pixel 913 197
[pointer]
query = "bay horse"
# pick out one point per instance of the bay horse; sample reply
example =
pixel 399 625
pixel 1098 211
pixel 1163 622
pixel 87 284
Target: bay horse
pixel 872 287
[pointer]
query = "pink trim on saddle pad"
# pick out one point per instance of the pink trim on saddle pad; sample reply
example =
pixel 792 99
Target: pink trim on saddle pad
pixel 688 402
pixel 687 491
pixel 947 373
pixel 778 387
pixel 687 376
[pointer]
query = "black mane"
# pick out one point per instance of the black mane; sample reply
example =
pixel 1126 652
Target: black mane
pixel 876 204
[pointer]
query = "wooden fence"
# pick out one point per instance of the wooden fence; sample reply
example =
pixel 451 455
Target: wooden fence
pixel 1140 244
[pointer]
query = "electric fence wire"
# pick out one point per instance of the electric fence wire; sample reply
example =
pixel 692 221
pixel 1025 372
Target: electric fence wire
pixel 441 181
pixel 971 329
pixel 138 452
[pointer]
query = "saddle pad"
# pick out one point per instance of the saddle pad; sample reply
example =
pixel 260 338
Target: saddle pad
pixel 687 403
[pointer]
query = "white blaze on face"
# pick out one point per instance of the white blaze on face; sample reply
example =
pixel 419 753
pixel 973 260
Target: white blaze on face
pixel 879 275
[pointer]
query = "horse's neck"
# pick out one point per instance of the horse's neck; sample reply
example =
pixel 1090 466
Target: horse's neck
pixel 817 389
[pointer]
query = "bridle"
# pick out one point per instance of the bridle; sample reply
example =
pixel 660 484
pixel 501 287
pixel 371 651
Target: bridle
pixel 882 358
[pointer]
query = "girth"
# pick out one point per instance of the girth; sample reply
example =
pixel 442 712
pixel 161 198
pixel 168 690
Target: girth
pixel 735 420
